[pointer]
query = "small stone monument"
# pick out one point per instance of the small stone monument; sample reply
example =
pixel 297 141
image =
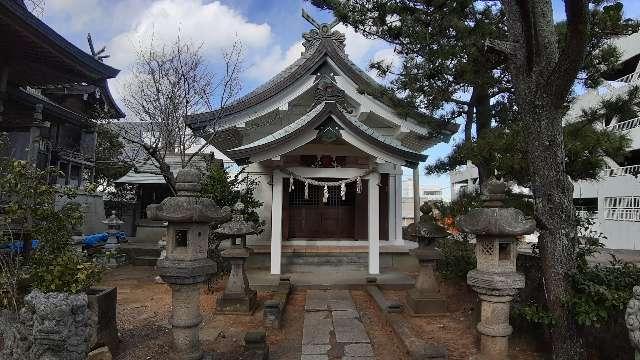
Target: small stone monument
pixel 632 320
pixel 425 297
pixel 495 279
pixel 113 228
pixel 186 265
pixel 237 298
pixel 55 326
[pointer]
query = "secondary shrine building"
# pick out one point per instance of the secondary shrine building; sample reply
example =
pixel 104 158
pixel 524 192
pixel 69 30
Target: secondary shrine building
pixel 328 149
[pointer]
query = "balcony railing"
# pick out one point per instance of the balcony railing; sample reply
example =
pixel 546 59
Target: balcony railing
pixel 631 78
pixel 625 125
pixel 622 214
pixel 633 170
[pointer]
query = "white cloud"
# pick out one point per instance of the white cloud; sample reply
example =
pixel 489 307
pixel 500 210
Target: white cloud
pixel 214 25
pixel 274 61
pixel 357 46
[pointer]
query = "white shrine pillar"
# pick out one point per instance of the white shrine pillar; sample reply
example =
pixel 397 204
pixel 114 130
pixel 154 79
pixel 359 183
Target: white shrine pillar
pixel 416 194
pixel 374 223
pixel 395 206
pixel 276 222
pixel 398 204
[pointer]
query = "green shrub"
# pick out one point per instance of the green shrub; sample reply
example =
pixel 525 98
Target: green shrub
pixel 601 292
pixel 535 314
pixel 458 258
pixel 226 190
pixel 28 211
pixel 67 272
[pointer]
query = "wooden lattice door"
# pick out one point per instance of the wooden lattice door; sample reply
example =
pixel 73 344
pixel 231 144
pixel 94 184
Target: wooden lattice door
pixel 313 218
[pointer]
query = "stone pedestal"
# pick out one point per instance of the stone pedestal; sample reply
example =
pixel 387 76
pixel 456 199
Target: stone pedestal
pixel 185 320
pixel 495 279
pixel 425 297
pixel 186 265
pixel 237 298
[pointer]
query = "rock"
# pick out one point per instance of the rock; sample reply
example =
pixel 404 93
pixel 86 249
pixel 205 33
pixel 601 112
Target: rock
pixel 101 353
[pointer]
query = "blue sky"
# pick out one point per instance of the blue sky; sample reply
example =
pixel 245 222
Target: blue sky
pixel 270 30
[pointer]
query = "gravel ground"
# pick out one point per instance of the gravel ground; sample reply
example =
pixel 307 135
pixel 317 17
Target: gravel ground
pixel 144 307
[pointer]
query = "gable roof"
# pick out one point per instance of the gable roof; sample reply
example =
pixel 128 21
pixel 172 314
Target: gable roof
pixel 319 46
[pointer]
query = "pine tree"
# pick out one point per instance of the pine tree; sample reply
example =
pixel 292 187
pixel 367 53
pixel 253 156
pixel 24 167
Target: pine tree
pixel 513 53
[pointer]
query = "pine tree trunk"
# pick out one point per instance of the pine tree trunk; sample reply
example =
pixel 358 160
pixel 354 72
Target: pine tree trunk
pixel 482 104
pixel 555 216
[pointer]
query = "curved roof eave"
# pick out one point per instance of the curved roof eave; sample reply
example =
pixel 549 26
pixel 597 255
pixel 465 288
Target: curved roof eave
pixel 307 62
pixel 314 118
pixel 100 70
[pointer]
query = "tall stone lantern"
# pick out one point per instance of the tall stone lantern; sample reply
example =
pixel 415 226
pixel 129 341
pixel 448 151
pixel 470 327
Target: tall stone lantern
pixel 425 297
pixel 186 265
pixel 237 298
pixel 495 278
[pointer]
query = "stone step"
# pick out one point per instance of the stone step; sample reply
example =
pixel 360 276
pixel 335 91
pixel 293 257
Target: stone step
pixel 145 261
pixel 314 262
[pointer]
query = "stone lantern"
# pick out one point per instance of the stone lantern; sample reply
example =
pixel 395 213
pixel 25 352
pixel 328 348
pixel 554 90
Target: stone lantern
pixel 186 265
pixel 425 297
pixel 113 228
pixel 495 279
pixel 237 298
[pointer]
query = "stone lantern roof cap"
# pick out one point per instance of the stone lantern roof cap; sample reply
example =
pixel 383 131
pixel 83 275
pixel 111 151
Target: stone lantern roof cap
pixel 238 226
pixel 188 206
pixel 493 219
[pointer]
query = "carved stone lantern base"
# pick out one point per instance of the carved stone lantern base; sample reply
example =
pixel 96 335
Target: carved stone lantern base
pixel 237 297
pixel 425 298
pixel 496 291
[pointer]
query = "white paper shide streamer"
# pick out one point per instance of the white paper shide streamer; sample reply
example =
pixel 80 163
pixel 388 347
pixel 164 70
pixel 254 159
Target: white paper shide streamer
pixel 325 184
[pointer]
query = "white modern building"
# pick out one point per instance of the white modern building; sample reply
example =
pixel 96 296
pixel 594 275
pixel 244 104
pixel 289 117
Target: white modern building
pixel 612 201
pixel 427 193
pixel 463 179
pixel 327 149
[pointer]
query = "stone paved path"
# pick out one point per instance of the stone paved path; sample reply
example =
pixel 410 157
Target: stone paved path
pixel 332 328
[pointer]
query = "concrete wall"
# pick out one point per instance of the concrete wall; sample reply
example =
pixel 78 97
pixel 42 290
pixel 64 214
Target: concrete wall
pixel 92 207
pixel 620 234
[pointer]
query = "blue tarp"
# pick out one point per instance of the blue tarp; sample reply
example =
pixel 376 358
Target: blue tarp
pixel 16 246
pixel 91 240
pixel 98 238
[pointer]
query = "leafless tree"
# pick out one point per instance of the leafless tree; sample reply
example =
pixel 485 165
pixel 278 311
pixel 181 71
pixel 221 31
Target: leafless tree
pixel 166 84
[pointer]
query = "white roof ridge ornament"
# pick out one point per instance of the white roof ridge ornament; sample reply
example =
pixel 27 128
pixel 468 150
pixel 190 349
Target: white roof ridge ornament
pixel 322 31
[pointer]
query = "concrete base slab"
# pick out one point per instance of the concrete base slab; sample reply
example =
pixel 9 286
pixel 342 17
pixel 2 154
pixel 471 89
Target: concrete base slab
pixel 264 281
pixel 425 304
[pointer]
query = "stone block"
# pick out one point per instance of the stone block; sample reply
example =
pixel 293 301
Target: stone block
pixel 359 350
pixel 256 345
pixel 101 353
pixel 103 302
pixel 315 349
pixel 316 328
pixel 314 357
pixel 316 300
pixel 272 315
pixel 421 303
pixel 229 304
pixel 350 331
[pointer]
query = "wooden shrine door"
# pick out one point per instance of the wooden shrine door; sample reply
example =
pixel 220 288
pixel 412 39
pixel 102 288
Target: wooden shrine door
pixel 310 217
